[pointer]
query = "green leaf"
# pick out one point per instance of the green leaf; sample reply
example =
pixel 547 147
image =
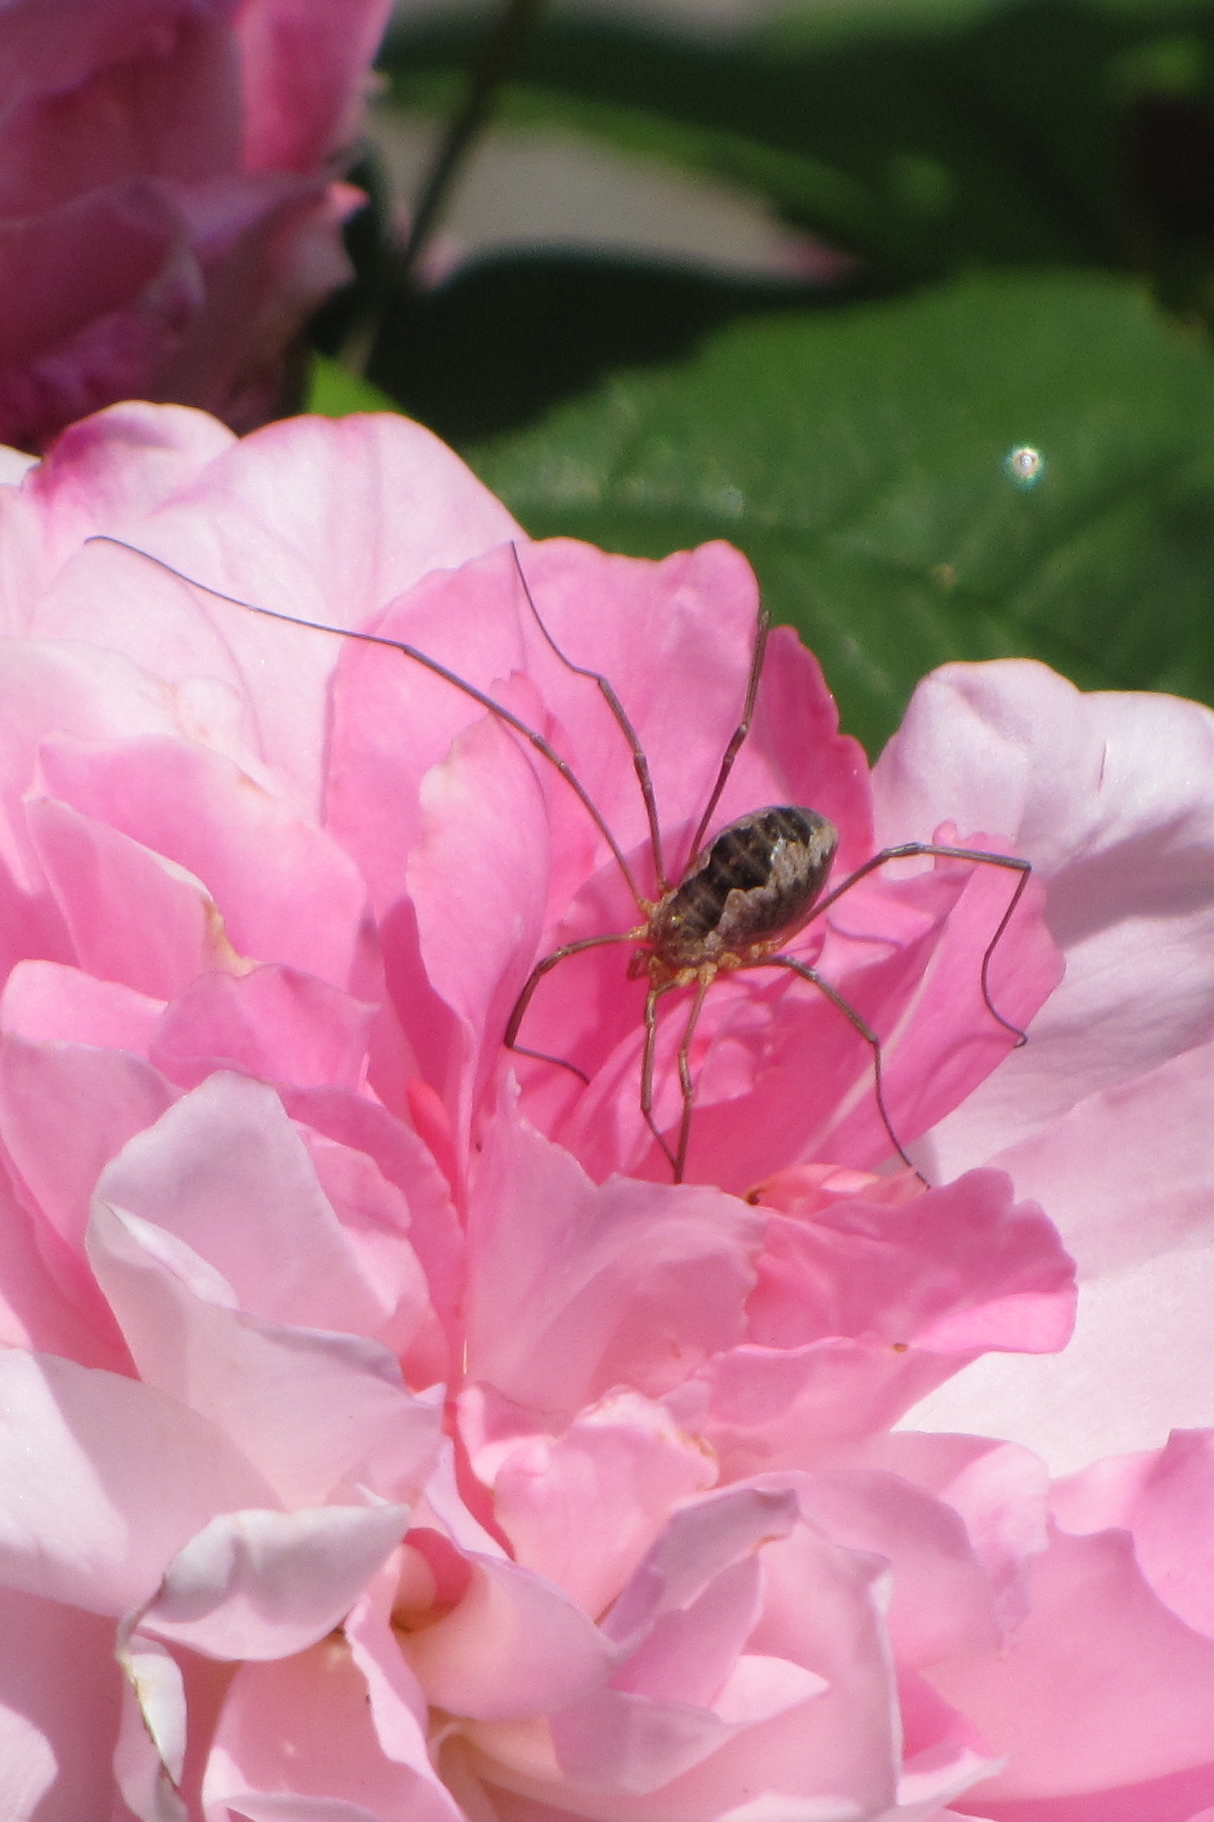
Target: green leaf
pixel 334 392
pixel 921 136
pixel 859 458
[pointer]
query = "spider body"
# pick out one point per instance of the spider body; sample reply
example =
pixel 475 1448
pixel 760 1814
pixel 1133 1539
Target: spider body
pixel 740 897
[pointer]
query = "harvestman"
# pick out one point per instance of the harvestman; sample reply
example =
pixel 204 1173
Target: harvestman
pixel 759 882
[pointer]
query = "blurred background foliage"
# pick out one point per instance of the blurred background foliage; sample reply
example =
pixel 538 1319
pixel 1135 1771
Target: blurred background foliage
pixel 931 233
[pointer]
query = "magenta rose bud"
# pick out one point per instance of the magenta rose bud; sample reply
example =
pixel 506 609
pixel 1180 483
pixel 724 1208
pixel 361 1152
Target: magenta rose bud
pixel 169 210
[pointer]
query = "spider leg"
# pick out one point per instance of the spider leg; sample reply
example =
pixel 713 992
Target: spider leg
pixel 465 688
pixel 738 737
pixel 545 966
pixel 858 1024
pixel 647 1056
pixel 909 850
pixel 640 763
pixel 685 1082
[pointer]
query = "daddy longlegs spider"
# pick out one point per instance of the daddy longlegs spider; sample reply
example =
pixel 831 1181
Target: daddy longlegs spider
pixel 731 907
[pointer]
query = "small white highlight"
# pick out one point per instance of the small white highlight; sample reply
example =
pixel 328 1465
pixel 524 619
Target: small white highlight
pixel 1024 465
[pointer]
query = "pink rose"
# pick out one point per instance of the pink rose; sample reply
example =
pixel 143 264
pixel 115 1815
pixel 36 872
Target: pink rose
pixel 167 211
pixel 384 1433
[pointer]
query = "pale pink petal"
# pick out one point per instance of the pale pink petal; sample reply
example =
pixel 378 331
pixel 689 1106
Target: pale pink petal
pixel 320 1414
pixel 102 474
pixel 1117 1203
pixel 297 1738
pixel 60 1691
pixel 227 1173
pixel 1138 1365
pixel 65 1111
pixel 834 1745
pixel 515 1645
pixel 1104 1688
pixel 46 1003
pixel 583 1508
pixel 14 466
pixel 1109 796
pixel 1000 1491
pixel 1165 1499
pixel 94 693
pixel 397 1701
pixel 258 1584
pixel 484 823
pixel 408 1166
pixel 861 1308
pixel 941 1600
pixel 48 1302
pixel 120 1478
pixel 149 1756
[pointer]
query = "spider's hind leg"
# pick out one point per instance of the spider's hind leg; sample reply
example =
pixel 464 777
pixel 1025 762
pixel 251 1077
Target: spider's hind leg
pixel 866 1032
pixel 912 850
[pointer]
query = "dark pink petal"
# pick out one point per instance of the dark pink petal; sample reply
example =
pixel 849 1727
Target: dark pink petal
pixel 200 811
pixel 123 238
pixel 275 1023
pixel 850 1329
pixel 958 1268
pixel 96 874
pixel 303 68
pixel 575 1289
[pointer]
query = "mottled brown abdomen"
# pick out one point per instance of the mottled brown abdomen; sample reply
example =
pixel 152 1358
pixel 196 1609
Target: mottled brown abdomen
pixel 755 884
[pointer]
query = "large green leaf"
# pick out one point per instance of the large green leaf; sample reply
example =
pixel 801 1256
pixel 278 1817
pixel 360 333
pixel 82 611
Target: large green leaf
pixel 922 136
pixel 858 456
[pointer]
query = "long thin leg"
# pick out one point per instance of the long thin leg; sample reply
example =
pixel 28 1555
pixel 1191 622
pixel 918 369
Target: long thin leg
pixel 909 850
pixel 738 737
pixel 651 1034
pixel 685 1080
pixel 639 761
pixel 545 966
pixel 429 664
pixel 858 1024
